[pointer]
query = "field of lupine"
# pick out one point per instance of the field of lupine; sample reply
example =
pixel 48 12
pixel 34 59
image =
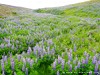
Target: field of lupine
pixel 53 41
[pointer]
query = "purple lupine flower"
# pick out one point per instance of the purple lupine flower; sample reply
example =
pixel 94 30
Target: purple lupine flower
pixel 28 60
pixel 68 62
pixel 86 60
pixel 4 58
pixel 62 63
pixel 44 51
pixel 75 48
pixel 54 64
pixel 26 71
pixel 12 46
pixel 70 56
pixel 99 62
pixel 90 73
pixel 19 57
pixel 75 61
pixel 48 50
pixel 12 64
pixel 31 63
pixel 39 51
pixel 2 65
pixel 29 50
pixel 50 42
pixel 10 55
pixel 58 73
pixel 2 46
pixel 83 61
pixel 6 40
pixel 35 49
pixel 9 44
pixel 59 59
pixel 96 67
pixel 53 51
pixel 94 60
pixel 70 67
pixel 24 61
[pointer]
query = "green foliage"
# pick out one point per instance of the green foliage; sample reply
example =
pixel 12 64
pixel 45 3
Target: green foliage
pixel 75 27
pixel 51 11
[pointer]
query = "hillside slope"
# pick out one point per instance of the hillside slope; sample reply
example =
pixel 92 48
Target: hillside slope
pixel 50 41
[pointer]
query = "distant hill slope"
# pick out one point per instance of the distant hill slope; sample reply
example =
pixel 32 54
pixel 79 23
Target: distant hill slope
pixel 50 41
pixel 79 9
pixel 7 10
pixel 85 9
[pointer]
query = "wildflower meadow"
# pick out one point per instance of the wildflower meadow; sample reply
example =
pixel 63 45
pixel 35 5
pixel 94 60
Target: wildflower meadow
pixel 50 41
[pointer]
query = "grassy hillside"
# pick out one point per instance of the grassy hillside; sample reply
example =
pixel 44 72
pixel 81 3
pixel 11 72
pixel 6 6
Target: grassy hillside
pixel 64 40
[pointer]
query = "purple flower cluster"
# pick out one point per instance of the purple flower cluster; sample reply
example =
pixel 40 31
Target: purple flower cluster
pixel 2 65
pixel 38 51
pixel 29 50
pixel 76 63
pixel 60 61
pixel 2 45
pixel 20 58
pixel 8 43
pixel 3 62
pixel 12 64
pixel 94 60
pixel 54 64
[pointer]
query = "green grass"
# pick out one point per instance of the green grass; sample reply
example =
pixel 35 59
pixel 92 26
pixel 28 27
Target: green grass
pixel 77 25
